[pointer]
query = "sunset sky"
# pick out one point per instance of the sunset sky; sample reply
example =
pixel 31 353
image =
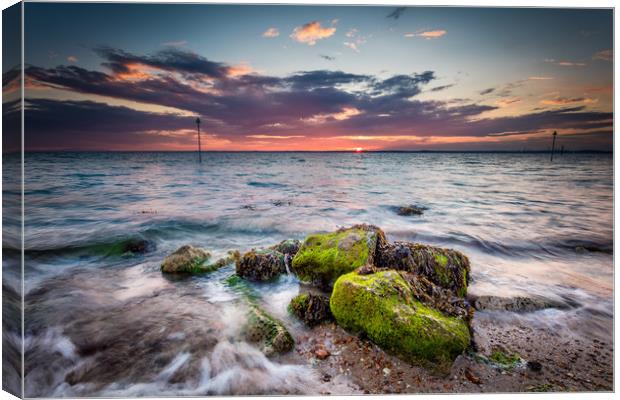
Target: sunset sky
pixel 135 76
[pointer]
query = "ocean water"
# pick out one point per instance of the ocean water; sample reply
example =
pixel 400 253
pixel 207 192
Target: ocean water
pixel 103 323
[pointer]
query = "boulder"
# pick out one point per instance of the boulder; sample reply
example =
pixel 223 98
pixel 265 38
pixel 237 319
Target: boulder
pixel 261 265
pixel 311 308
pixel 514 304
pixel 324 257
pixel 444 267
pixel 407 211
pixel 287 247
pixel 267 332
pixel 383 307
pixel 186 259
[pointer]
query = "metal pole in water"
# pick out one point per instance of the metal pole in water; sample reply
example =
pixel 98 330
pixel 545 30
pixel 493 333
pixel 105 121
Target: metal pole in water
pixel 553 145
pixel 199 146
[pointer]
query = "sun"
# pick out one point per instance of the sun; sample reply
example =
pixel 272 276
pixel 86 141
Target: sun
pixel 359 149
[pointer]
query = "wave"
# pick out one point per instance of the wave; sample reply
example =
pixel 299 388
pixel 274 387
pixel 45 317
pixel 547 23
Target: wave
pixel 267 184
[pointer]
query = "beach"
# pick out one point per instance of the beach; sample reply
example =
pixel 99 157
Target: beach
pixel 107 322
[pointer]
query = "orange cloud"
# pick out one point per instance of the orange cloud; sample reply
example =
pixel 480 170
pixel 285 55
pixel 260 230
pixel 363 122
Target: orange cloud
pixel 277 137
pixel 433 34
pixel 271 33
pixel 507 102
pixel 72 59
pixel 311 32
pixel 344 114
pixel 238 70
pixel 562 101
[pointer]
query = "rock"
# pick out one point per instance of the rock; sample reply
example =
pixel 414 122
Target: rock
pixel 383 307
pixel 311 308
pixel 137 246
pixel 187 259
pixel 504 360
pixel 322 258
pixel 288 246
pixel 472 377
pixel 260 265
pixel 407 211
pixel 322 353
pixel 444 267
pixel 437 297
pixel 266 331
pixel 534 366
pixel 514 304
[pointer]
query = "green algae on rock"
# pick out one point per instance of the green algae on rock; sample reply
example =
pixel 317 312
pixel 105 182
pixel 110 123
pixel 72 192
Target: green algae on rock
pixel 447 268
pixel 322 258
pixel 383 307
pixel 266 331
pixel 288 246
pixel 311 308
pixel 186 260
pixel 261 265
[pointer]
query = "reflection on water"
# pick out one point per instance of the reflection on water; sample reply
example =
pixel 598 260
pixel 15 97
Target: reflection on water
pixel 102 320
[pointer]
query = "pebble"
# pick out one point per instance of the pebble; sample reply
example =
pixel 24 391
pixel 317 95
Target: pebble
pixel 386 371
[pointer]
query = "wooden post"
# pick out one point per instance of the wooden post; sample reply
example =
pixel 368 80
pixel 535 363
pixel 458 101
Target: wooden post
pixel 199 146
pixel 553 144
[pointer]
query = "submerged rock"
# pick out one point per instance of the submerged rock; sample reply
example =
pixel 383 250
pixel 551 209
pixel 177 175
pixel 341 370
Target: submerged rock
pixel 311 308
pixel 186 259
pixel 287 247
pixel 383 307
pixel 514 304
pixel 261 265
pixel 444 267
pixel 322 258
pixel 232 257
pixel 266 331
pixel 407 211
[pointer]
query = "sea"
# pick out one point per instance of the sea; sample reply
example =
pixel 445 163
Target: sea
pixel 100 322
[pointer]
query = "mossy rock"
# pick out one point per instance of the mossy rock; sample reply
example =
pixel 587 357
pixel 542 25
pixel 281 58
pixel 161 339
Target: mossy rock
pixel 323 257
pixel 382 307
pixel 266 331
pixel 289 246
pixel 447 268
pixel 261 265
pixel 186 260
pixel 311 308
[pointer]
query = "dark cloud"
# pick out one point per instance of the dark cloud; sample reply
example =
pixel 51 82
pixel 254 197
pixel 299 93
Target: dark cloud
pixel 440 88
pixel 84 125
pixel 396 13
pixel 171 59
pixel 487 91
pixel 326 57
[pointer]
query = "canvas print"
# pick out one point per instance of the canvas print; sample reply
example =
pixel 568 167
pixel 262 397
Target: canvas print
pixel 231 199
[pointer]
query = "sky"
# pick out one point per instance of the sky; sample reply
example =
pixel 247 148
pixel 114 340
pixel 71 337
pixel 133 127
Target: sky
pixel 136 77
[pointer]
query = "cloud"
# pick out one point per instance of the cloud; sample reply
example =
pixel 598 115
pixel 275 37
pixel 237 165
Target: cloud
pixel 352 46
pixel 540 78
pixel 72 59
pixel 428 34
pixel 271 33
pixel 507 102
pixel 314 104
pixel 440 88
pixel 487 91
pixel 563 101
pixel 397 13
pixel 604 55
pixel 344 114
pixel 311 32
pixel 277 137
pixel 563 63
pixel 326 57
pixel 177 43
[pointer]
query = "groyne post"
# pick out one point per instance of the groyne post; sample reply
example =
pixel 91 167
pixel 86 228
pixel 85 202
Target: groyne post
pixel 199 146
pixel 553 144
